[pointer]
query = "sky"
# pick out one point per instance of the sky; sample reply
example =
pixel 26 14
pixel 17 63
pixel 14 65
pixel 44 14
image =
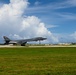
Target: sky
pixel 54 19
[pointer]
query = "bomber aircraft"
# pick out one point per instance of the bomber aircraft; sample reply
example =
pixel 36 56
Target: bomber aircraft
pixel 22 42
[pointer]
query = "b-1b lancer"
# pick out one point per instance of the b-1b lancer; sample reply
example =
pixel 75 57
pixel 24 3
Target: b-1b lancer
pixel 21 42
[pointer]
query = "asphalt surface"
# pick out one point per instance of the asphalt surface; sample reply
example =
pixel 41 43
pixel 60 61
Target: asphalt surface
pixel 7 46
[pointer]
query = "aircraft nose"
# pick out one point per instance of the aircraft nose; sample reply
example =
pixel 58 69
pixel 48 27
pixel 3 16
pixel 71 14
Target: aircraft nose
pixel 44 38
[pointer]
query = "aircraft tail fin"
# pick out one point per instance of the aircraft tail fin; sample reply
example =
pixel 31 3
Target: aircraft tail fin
pixel 6 39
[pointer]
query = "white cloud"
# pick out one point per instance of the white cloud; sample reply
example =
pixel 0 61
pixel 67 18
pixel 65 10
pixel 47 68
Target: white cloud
pixel 51 26
pixel 73 35
pixel 64 4
pixel 72 3
pixel 15 36
pixel 52 6
pixel 37 3
pixel 67 16
pixel 13 23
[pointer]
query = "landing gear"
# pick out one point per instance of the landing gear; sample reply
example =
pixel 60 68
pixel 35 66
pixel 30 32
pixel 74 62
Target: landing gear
pixel 22 44
pixel 15 44
pixel 39 42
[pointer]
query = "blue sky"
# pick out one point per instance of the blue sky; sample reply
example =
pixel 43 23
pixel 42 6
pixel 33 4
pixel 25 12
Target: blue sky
pixel 4 1
pixel 61 13
pixel 59 16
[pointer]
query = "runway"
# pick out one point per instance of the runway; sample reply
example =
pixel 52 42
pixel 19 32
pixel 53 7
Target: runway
pixel 11 46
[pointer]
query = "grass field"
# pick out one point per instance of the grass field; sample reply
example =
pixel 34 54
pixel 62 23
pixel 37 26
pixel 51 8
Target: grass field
pixel 38 61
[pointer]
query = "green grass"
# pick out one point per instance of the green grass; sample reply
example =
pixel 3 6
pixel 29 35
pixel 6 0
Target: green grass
pixel 38 61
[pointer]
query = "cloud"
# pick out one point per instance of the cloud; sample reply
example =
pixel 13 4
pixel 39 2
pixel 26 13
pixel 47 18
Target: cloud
pixel 13 23
pixel 51 26
pixel 73 35
pixel 72 3
pixel 37 3
pixel 65 4
pixel 63 38
pixel 67 16
pixel 52 6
